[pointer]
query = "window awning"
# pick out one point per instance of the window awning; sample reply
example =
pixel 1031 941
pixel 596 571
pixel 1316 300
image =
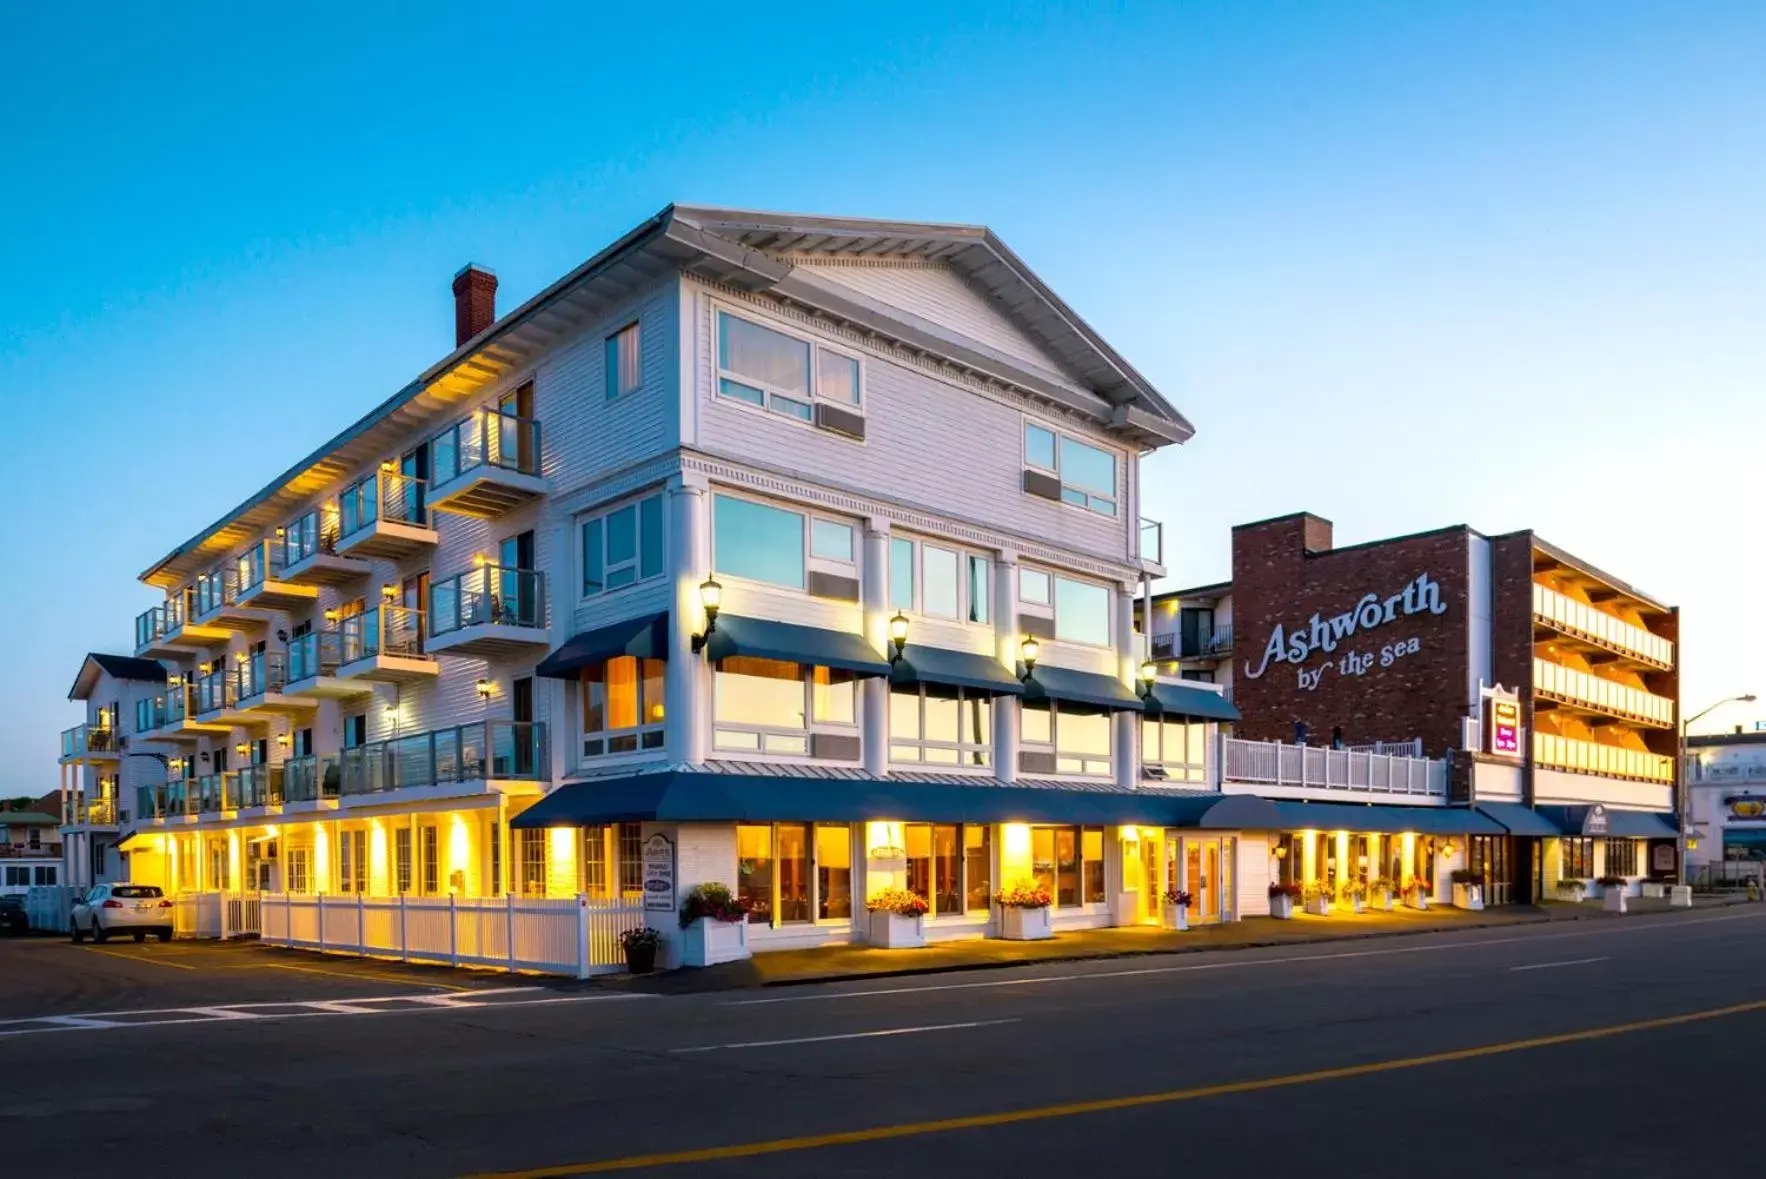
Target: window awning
pixel 1574 820
pixel 1183 700
pixel 1384 820
pixel 1080 687
pixel 763 639
pixel 686 796
pixel 645 637
pixel 136 841
pixel 935 665
pixel 1520 820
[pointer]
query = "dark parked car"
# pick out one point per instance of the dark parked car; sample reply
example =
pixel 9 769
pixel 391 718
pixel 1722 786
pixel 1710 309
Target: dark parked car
pixel 12 916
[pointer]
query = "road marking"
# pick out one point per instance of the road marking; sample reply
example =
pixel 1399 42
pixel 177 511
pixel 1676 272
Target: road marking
pixel 937 1027
pixel 416 982
pixel 1108 1104
pixel 1232 964
pixel 1551 965
pixel 137 958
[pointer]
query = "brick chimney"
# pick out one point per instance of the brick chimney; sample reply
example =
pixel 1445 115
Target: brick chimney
pixel 475 302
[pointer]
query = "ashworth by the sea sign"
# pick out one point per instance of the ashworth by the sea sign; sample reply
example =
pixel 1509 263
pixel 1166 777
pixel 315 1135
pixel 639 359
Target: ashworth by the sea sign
pixel 1299 643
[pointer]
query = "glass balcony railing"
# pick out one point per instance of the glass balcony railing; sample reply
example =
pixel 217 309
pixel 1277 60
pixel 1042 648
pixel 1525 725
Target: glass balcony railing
pixel 258 785
pixel 1571 753
pixel 213 793
pixel 487 594
pixel 262 561
pixel 215 691
pixel 487 750
pixel 1586 621
pixel 213 590
pixel 308 536
pixel 309 778
pixel 1152 541
pixel 1583 688
pixel 150 627
pixel 83 739
pixel 384 495
pixel 384 630
pixel 316 653
pixel 489 438
pixel 262 672
pixel 150 802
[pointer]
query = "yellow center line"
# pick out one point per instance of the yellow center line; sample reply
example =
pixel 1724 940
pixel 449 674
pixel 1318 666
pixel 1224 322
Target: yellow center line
pixel 137 958
pixel 1074 1109
pixel 416 982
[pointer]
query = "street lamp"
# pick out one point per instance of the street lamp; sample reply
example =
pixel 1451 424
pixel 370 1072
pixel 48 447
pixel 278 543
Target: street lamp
pixel 1682 789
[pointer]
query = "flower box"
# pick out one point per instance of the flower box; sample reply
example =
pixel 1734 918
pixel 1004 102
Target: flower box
pixel 895 931
pixel 1418 899
pixel 1654 889
pixel 1468 896
pixel 1572 891
pixel 1177 917
pixel 1613 900
pixel 708 941
pixel 1383 899
pixel 1021 924
pixel 1281 907
pixel 1319 906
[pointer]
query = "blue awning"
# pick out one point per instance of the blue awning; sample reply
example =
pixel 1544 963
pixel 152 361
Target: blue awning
pixel 1387 820
pixel 1623 824
pixel 645 637
pixel 1520 820
pixel 682 796
pixel 764 639
pixel 935 665
pixel 1184 700
pixel 1080 687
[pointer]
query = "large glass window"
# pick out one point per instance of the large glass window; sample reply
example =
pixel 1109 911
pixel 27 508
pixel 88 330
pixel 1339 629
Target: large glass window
pixel 1087 473
pixel 935 724
pixel 622 706
pixel 771 369
pixel 901 574
pixel 1069 862
pixel 793 891
pixel 833 870
pixel 768 705
pixel 950 866
pixel 1177 747
pixel 622 546
pixel 1091 854
pixel 1578 859
pixel 758 541
pixel 940 582
pixel 1082 612
pixel 977 867
pixel 831 540
pixel 794 873
pixel 946 584
pixel 1078 735
pixel 1621 857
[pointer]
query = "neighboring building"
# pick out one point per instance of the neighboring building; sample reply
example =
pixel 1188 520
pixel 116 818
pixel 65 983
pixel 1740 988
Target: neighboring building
pixel 101 774
pixel 1193 635
pixel 30 851
pixel 1552 686
pixel 1726 804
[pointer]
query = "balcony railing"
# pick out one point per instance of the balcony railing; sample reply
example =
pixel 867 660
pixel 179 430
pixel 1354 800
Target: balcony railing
pixel 310 778
pixel 1275 764
pixel 263 672
pixel 308 536
pixel 384 495
pixel 486 439
pixel 216 691
pixel 258 785
pixel 150 626
pixel 83 739
pixel 1582 688
pixel 213 793
pixel 215 589
pixel 316 653
pixel 1590 757
pixel 384 630
pixel 487 750
pixel 1206 644
pixel 262 560
pixel 487 595
pixel 99 812
pixel 1152 541
pixel 1584 621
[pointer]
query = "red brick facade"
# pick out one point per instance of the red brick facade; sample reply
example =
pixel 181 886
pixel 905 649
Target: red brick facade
pixel 475 302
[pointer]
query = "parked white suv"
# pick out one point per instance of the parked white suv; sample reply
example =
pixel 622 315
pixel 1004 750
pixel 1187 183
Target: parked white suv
pixel 139 909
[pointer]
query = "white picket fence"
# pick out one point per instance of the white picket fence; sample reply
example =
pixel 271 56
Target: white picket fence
pixel 1273 763
pixel 578 937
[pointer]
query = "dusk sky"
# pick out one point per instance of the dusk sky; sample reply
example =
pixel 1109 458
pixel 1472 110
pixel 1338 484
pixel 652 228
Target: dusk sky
pixel 1404 265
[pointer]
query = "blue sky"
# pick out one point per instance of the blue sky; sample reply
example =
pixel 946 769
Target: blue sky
pixel 1404 265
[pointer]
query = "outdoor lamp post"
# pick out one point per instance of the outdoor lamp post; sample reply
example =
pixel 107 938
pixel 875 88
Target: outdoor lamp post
pixel 1028 650
pixel 711 597
pixel 1682 792
pixel 898 635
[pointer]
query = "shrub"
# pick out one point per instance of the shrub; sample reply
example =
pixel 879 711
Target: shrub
pixel 1178 897
pixel 1291 891
pixel 1025 894
pixel 899 901
pixel 1610 881
pixel 1466 876
pixel 712 900
pixel 640 938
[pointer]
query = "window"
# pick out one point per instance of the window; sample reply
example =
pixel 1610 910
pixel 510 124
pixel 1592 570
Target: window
pixel 1069 862
pixel 833 871
pixel 496 867
pixel 1077 735
pixel 625 371
pixel 1178 747
pixel 352 861
pixel 1082 612
pixel 401 847
pixel 532 862
pixel 771 370
pixel 758 542
pixel 938 725
pixel 1033 587
pixel 623 546
pixel 831 540
pixel 794 873
pixel 1578 859
pixel 631 859
pixel 17 876
pixel 980 583
pixel 622 706
pixel 1087 473
pixel 949 584
pixel 299 875
pixel 429 859
pixel 769 706
pixel 754 871
pixel 595 862
pixel 901 574
pixel 950 866
pixel 1621 857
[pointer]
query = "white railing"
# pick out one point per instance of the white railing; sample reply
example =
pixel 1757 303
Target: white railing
pixel 1410 748
pixel 576 936
pixel 1591 757
pixel 1272 763
pixel 1580 618
pixel 1569 684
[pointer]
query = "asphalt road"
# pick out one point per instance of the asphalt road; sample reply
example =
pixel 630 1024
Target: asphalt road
pixel 1626 1047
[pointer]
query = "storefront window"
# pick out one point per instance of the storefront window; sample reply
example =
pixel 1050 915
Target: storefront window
pixel 1291 867
pixel 833 870
pixel 794 873
pixel 1578 859
pixel 1092 855
pixel 947 871
pixel 1069 863
pixel 793 890
pixel 1621 857
pixel 978 864
pixel 754 871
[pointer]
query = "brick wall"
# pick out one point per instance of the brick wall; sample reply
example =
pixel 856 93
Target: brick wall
pixel 1402 677
pixel 1511 630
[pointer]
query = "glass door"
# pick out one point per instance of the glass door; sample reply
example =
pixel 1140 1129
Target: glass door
pixel 1207 874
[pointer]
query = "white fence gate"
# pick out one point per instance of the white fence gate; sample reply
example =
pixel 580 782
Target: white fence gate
pixel 578 937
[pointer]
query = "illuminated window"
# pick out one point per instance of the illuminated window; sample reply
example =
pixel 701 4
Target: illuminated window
pixel 429 856
pixel 299 875
pixel 401 840
pixel 622 702
pixel 771 706
pixel 1077 735
pixel 794 873
pixel 1621 857
pixel 1069 862
pixel 933 724
pixel 532 862
pixel 1578 855
pixel 352 861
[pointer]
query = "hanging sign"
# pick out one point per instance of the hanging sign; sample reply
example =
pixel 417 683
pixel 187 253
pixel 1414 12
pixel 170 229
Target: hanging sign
pixel 1596 822
pixel 1504 738
pixel 659 874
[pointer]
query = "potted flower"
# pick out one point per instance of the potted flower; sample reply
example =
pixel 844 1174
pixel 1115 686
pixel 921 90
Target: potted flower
pixel 1417 891
pixel 716 925
pixel 640 946
pixel 1024 912
pixel 897 919
pixel 1382 890
pixel 1354 894
pixel 1177 909
pixel 1572 891
pixel 1281 900
pixel 1316 897
pixel 1612 891
pixel 1468 889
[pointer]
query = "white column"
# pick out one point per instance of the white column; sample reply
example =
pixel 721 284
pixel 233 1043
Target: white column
pixel 874 601
pixel 687 687
pixel 1125 754
pixel 1005 629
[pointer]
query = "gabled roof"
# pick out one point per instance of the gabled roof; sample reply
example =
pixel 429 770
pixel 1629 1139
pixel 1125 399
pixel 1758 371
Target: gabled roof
pixel 28 819
pixel 121 667
pixel 741 249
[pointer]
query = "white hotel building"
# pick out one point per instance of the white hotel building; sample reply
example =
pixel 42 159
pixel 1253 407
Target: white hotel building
pixel 462 650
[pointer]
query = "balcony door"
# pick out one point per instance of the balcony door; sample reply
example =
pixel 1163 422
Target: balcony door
pixel 522 731
pixel 514 440
pixel 512 599
pixel 412 596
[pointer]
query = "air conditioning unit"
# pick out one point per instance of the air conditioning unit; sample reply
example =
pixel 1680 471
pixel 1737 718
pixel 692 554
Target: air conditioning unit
pixel 122 741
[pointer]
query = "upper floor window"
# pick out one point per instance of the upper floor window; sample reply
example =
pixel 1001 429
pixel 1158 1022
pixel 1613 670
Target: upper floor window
pixel 938 725
pixel 1177 746
pixel 622 546
pixel 1087 473
pixel 1076 611
pixel 939 581
pixel 1076 735
pixel 771 706
pixel 782 373
pixel 779 546
pixel 622 706
pixel 625 362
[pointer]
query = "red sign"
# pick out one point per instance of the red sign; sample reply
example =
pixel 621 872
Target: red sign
pixel 1505 727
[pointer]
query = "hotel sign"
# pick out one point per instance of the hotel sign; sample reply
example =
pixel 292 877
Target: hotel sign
pixel 659 874
pixel 1595 822
pixel 1504 736
pixel 1299 643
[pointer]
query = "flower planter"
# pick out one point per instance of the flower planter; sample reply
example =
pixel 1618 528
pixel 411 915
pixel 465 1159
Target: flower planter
pixel 1419 900
pixel 893 931
pixel 1281 908
pixel 1019 924
pixel 640 959
pixel 1571 894
pixel 1468 896
pixel 1177 917
pixel 1358 904
pixel 1654 889
pixel 1384 899
pixel 709 941
pixel 1613 900
pixel 1319 906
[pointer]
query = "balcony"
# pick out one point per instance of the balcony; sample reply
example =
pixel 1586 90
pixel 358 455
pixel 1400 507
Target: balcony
pixel 99 812
pixel 217 701
pixel 215 603
pixel 1152 547
pixel 488 612
pixel 486 464
pixel 1598 632
pixel 184 631
pixel 153 629
pixel 384 515
pixel 258 786
pixel 1580 690
pixel 1213 644
pixel 1320 771
pixel 309 552
pixel 1610 761
pixel 313 778
pixel 385 646
pixel 90 745
pixel 263 687
pixel 486 752
pixel 151 803
pixel 313 660
pixel 212 794
pixel 263 583
pixel 176 716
